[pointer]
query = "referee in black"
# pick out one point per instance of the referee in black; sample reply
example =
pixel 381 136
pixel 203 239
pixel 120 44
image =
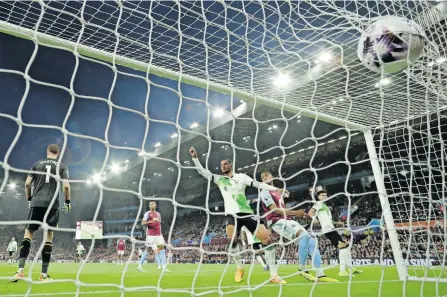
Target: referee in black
pixel 43 206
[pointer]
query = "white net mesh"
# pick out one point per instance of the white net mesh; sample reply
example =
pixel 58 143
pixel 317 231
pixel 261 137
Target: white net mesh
pixel 234 49
pixel 242 44
pixel 412 156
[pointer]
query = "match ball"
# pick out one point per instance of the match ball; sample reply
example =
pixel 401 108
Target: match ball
pixel 391 44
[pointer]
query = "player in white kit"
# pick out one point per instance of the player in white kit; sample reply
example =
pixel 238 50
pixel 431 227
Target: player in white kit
pixel 239 212
pixel 322 212
pixel 12 250
pixel 139 253
pixel 79 251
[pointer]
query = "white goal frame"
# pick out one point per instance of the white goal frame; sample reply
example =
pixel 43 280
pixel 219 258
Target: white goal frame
pixel 79 49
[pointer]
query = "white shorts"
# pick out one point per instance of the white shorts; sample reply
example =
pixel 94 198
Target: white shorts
pixel 120 253
pixel 287 228
pixel 154 241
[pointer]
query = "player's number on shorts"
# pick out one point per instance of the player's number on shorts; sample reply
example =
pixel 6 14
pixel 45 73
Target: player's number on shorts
pixel 47 178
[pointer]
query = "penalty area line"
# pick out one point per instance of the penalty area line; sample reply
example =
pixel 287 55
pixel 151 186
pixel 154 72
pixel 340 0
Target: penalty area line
pixel 173 290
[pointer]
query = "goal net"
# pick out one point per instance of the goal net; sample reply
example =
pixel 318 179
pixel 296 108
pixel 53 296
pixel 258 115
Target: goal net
pixel 127 87
pixel 412 157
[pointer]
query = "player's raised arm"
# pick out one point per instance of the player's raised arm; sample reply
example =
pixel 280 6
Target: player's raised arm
pixel 203 172
pixel 263 186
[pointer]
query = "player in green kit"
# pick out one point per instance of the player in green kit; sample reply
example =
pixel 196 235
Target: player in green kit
pixel 239 212
pixel 321 212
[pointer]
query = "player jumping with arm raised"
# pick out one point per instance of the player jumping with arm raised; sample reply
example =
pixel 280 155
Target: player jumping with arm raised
pixel 322 212
pixel 239 213
pixel 279 219
pixel 154 238
pixel 42 208
pixel 120 249
pixel 12 250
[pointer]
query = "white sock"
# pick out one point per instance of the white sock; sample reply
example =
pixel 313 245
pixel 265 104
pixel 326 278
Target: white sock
pixel 235 253
pixel 260 260
pixel 344 255
pixel 302 267
pixel 319 271
pixel 270 258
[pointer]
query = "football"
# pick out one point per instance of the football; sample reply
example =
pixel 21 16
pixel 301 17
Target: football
pixel 391 44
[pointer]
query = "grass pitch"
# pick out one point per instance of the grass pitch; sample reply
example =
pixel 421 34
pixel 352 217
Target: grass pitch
pixel 110 280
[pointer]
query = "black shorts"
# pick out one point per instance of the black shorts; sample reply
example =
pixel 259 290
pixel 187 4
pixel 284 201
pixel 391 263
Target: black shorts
pixel 38 214
pixel 334 237
pixel 11 253
pixel 243 219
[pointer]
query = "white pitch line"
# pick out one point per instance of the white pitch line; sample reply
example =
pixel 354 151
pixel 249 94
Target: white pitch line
pixel 173 290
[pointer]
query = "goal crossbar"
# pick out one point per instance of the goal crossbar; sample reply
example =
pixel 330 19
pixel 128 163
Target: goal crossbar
pixel 52 41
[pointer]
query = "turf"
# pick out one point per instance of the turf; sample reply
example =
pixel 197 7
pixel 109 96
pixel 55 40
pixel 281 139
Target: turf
pixel 98 280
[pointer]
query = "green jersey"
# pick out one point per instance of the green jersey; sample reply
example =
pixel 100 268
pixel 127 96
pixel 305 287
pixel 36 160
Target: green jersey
pixel 233 189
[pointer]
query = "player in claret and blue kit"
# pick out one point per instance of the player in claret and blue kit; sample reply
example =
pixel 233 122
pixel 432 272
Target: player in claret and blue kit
pixel 279 219
pixel 154 238
pixel 120 250
pixel 41 203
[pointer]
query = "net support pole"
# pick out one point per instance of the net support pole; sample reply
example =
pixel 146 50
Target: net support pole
pixel 386 210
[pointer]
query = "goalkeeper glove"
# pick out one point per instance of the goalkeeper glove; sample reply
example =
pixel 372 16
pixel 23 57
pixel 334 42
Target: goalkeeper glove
pixel 29 202
pixel 67 206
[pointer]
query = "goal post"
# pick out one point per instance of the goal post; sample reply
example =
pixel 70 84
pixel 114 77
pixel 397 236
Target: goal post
pixel 383 197
pixel 408 163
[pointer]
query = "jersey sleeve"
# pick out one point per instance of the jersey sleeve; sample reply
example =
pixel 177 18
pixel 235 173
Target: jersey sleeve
pixel 32 174
pixel 64 172
pixel 318 205
pixel 266 198
pixel 146 216
pixel 252 183
pixel 204 172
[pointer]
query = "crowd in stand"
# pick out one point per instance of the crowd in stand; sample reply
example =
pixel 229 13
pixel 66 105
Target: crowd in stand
pixel 189 229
